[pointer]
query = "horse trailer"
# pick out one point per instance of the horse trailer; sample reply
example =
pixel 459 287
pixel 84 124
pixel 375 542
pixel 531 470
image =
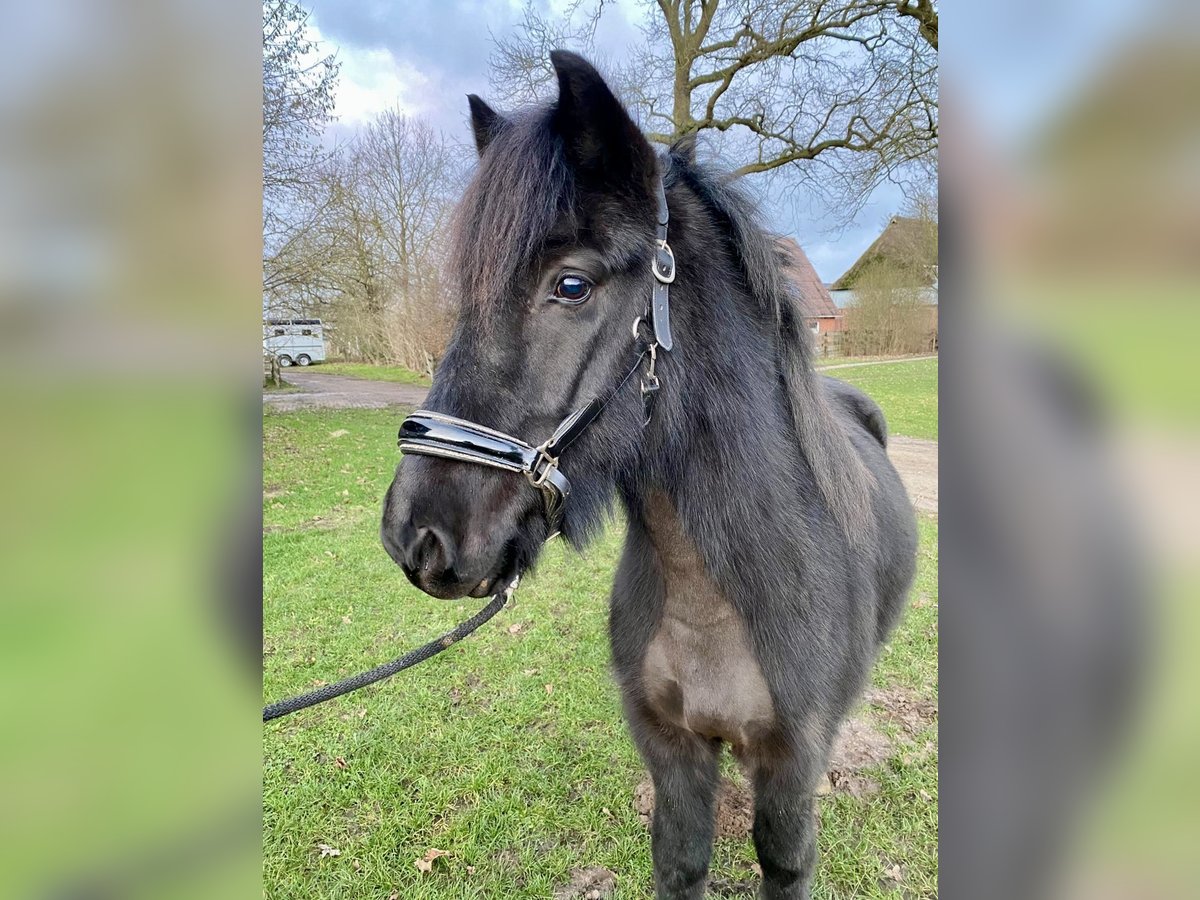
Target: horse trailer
pixel 294 341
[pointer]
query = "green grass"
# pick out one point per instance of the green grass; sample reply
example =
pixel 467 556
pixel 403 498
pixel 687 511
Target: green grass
pixel 373 372
pixel 907 392
pixel 508 750
pixel 824 362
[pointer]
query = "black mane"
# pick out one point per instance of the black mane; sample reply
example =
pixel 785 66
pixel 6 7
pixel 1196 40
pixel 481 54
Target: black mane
pixel 521 189
pixel 837 469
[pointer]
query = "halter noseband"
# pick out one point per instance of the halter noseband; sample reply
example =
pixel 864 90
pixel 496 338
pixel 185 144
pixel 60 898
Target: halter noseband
pixel 429 433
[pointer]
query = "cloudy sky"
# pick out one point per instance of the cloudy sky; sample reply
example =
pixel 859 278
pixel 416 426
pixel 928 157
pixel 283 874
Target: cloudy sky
pixel 425 56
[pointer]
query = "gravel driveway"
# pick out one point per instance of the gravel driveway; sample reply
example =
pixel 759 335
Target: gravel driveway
pixel 915 459
pixel 321 391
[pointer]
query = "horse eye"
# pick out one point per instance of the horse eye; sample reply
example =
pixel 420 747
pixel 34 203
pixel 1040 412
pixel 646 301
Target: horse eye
pixel 572 289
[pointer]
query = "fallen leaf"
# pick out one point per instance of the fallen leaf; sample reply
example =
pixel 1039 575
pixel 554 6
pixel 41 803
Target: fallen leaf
pixel 326 850
pixel 549 689
pixel 515 628
pixel 340 763
pixel 470 870
pixel 425 863
pixel 356 865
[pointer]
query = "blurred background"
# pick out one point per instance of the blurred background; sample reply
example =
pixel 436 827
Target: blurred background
pixel 130 217
pixel 1071 182
pixel 138 258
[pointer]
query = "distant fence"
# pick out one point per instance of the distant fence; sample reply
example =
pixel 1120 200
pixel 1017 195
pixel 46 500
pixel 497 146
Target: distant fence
pixel 828 344
pixel 842 343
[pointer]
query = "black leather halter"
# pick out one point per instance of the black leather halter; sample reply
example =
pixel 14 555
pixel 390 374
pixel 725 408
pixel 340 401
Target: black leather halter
pixel 435 434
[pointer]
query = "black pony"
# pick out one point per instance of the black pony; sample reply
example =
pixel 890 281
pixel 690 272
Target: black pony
pixel 770 543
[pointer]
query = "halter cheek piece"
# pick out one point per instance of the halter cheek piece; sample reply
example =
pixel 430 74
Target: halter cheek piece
pixel 433 434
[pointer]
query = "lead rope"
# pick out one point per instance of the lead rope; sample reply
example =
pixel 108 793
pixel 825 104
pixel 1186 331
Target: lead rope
pixel 387 670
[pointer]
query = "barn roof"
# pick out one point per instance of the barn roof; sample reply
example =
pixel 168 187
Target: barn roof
pixel 814 297
pixel 901 242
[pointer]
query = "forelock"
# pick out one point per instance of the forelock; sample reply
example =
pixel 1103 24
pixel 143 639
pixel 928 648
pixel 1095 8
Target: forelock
pixel 521 189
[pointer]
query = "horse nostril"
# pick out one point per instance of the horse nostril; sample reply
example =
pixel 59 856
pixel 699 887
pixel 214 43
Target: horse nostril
pixel 430 553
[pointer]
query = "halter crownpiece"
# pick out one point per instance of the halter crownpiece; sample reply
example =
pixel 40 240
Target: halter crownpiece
pixel 662 264
pixel 428 433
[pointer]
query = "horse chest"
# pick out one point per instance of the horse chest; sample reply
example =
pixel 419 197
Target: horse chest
pixel 700 672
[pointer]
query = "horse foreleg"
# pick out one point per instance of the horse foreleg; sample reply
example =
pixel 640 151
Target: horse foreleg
pixel 683 767
pixel 785 833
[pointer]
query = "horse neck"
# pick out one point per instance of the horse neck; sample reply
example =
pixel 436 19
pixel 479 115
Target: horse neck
pixel 722 448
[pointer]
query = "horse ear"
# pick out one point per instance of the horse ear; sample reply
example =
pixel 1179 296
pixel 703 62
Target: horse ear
pixel 485 122
pixel 685 148
pixel 599 136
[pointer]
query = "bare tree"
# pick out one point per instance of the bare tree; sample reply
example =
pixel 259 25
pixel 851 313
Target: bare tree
pixel 409 173
pixel 389 193
pixel 839 95
pixel 298 84
pixel 520 64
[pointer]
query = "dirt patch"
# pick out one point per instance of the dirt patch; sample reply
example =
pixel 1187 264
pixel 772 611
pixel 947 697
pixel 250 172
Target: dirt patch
pixel 643 800
pixel 735 807
pixel 912 713
pixel 917 462
pixel 592 883
pixel 729 888
pixel 859 746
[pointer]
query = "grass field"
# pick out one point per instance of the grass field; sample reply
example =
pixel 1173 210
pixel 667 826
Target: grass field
pixel 372 372
pixel 508 750
pixel 907 392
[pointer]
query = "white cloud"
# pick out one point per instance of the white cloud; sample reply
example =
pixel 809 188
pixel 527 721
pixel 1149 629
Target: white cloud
pixel 371 81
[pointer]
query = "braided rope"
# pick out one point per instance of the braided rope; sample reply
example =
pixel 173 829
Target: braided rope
pixel 387 670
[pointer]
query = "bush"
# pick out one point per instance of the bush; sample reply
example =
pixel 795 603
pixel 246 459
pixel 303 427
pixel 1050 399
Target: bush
pixel 888 316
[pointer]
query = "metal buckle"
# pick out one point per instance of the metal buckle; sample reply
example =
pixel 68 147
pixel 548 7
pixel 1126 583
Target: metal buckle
pixel 663 263
pixel 650 385
pixel 542 467
pixel 511 589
